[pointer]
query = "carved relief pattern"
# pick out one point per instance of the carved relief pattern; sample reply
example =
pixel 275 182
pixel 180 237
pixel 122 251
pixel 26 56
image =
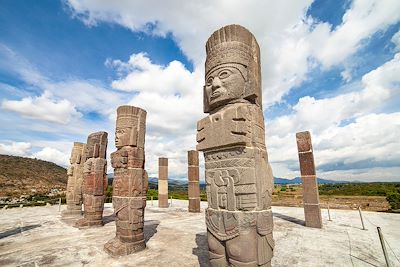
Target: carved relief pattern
pixel 74 196
pixel 238 176
pixel 130 182
pixel 95 180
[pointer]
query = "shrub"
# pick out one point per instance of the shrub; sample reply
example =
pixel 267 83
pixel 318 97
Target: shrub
pixel 394 200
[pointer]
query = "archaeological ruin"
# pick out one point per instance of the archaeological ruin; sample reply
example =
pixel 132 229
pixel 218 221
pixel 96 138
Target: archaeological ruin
pixel 75 180
pixel 95 180
pixel 193 181
pixel 239 179
pixel 163 183
pixel 312 210
pixel 130 182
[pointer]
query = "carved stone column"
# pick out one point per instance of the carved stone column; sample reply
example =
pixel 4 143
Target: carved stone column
pixel 312 210
pixel 193 177
pixel 163 183
pixel 238 176
pixel 95 180
pixel 130 182
pixel 75 181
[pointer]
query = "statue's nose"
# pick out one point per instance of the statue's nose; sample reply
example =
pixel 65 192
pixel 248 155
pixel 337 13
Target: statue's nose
pixel 216 83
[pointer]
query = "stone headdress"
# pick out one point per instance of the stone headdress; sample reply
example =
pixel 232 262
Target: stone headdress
pixel 235 44
pixel 96 145
pixel 134 119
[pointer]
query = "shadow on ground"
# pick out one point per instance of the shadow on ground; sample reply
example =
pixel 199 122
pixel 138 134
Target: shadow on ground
pixel 18 230
pixel 289 218
pixel 108 219
pixel 202 250
pixel 150 229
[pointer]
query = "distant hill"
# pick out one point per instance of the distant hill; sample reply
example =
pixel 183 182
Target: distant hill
pixel 20 176
pixel 297 180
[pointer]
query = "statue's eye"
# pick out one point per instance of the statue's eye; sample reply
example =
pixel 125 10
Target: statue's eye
pixel 209 81
pixel 224 74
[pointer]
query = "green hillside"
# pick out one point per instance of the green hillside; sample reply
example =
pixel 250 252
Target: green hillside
pixel 19 176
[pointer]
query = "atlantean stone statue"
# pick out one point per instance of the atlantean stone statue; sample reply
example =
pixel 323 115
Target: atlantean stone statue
pixel 130 182
pixel 163 183
pixel 312 210
pixel 238 176
pixel 75 181
pixel 94 180
pixel 193 177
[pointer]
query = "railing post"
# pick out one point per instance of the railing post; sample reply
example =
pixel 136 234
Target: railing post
pixel 383 246
pixel 329 214
pixel 362 220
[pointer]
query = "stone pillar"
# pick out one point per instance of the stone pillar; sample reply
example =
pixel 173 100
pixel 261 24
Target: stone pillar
pixel 312 210
pixel 130 182
pixel 193 177
pixel 163 183
pixel 75 181
pixel 95 180
pixel 239 179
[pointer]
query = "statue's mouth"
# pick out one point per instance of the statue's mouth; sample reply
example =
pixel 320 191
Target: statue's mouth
pixel 216 94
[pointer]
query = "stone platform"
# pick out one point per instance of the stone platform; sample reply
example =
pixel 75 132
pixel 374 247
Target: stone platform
pixel 37 237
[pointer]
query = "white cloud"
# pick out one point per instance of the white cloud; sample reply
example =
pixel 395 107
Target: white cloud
pixel 346 130
pixel 172 97
pixel 43 107
pixel 291 44
pixel 363 19
pixel 15 148
pixel 396 40
pixel 52 155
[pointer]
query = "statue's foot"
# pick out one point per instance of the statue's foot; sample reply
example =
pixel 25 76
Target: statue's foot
pixel 116 248
pixel 85 223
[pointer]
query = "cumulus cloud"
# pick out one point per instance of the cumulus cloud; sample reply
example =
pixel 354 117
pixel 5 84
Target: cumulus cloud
pixel 15 148
pixel 48 153
pixel 363 19
pixel 52 155
pixel 43 107
pixel 348 132
pixel 396 40
pixel 291 43
pixel 172 97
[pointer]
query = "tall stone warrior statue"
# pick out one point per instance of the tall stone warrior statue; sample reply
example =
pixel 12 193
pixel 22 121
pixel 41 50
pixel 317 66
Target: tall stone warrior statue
pixel 238 176
pixel 75 180
pixel 95 180
pixel 130 182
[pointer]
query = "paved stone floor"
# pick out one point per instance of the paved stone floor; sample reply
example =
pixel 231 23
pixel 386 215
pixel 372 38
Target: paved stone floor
pixel 38 237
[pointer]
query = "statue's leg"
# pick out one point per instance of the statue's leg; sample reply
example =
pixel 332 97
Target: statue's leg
pixel 129 227
pixel 216 251
pixel 242 250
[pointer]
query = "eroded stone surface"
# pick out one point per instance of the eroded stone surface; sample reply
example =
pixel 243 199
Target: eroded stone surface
pixel 130 182
pixel 95 180
pixel 193 177
pixel 75 181
pixel 163 183
pixel 239 178
pixel 312 211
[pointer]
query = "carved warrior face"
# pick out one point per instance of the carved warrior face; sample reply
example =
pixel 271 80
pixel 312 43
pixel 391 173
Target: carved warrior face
pixel 76 153
pixel 232 68
pixel 96 145
pixel 225 83
pixel 130 126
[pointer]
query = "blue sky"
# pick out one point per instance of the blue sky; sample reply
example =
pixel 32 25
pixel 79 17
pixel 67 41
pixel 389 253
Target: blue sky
pixel 330 67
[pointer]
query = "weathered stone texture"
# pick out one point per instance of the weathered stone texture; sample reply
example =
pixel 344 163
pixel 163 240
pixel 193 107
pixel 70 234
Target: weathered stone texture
pixel 312 209
pixel 75 181
pixel 193 178
pixel 130 182
pixel 163 183
pixel 95 180
pixel 238 176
